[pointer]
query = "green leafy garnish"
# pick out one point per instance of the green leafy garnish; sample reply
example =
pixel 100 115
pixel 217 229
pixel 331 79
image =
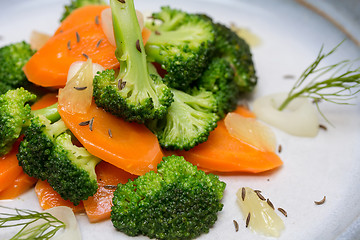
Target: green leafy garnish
pixel 339 88
pixel 46 228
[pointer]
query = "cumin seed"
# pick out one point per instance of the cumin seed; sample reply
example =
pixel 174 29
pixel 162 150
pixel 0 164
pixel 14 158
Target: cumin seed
pixel 157 32
pixel 77 37
pixel 279 148
pixel 236 225
pixel 85 123
pixel 91 124
pixel 322 127
pixel 288 76
pixel 98 43
pixel 260 196
pixel 270 203
pixel 247 220
pixel 69 45
pixel 110 187
pixel 122 1
pixel 138 45
pixel 121 84
pixel 110 133
pixel 97 20
pixel 80 88
pixel 322 201
pixel 85 55
pixel 243 193
pixel 283 211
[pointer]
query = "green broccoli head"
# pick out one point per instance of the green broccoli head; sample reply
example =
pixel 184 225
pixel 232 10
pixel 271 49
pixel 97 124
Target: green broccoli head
pixel 36 148
pixel 218 78
pixel 181 44
pixel 13 57
pixel 177 202
pixel 137 92
pixel 15 114
pixel 190 119
pixel 75 4
pixel 234 49
pixel 71 170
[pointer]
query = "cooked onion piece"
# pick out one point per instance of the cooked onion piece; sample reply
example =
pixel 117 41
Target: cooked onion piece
pixel 38 39
pixel 299 118
pixel 76 96
pixel 259 214
pixel 107 25
pixel 251 131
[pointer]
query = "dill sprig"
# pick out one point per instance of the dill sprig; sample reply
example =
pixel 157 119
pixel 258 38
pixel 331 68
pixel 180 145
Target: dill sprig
pixel 339 88
pixel 34 225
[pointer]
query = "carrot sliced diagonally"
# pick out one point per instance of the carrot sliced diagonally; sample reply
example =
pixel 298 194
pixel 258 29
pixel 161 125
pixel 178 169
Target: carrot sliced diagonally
pixel 45 101
pixel 9 167
pixel 130 146
pixel 49 198
pixel 98 207
pixel 224 153
pixel 21 184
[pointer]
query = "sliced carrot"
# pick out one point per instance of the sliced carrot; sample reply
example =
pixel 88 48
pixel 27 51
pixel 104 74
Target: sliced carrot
pixel 98 207
pixel 130 146
pixel 245 112
pixel 9 167
pixel 145 34
pixel 45 101
pixel 224 153
pixel 80 16
pixel 49 198
pixel 21 184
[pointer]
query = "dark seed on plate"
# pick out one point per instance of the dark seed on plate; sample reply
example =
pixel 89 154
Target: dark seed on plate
pixel 97 20
pixel 247 220
pixel 270 203
pixel 85 123
pixel 321 201
pixel 283 211
pixel 322 127
pixel 288 76
pixel 80 88
pixel 236 225
pixel 279 148
pixel 69 45
pixel 122 1
pixel 110 133
pixel 243 193
pixel 77 37
pixel 138 45
pixel 260 196
pixel 85 55
pixel 110 187
pixel 91 123
pixel 98 43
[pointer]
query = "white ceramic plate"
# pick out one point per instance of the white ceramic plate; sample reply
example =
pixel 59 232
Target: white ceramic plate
pixel 328 164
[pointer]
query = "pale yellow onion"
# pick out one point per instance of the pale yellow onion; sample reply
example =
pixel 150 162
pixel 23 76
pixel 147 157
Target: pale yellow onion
pixel 38 39
pixel 299 118
pixel 80 76
pixel 251 131
pixel 263 218
pixel 107 26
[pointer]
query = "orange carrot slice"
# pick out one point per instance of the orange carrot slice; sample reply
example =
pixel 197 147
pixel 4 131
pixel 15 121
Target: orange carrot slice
pixel 9 167
pixel 129 146
pixel 49 198
pixel 82 15
pixel 45 101
pixel 98 207
pixel 224 153
pixel 21 184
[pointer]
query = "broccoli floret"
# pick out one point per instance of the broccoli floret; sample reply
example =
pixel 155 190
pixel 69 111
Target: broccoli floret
pixel 177 202
pixel 12 59
pixel 181 43
pixel 15 114
pixel 234 49
pixel 190 119
pixel 136 93
pixel 219 79
pixel 75 4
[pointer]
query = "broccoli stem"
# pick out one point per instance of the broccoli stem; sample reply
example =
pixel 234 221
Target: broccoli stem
pixel 49 112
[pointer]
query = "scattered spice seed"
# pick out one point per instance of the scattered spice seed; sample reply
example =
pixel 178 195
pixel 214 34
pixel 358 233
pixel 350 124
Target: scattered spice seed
pixel 288 76
pixel 138 45
pixel 85 55
pixel 119 84
pixel 122 1
pixel 248 220
pixel 322 127
pixel 236 225
pixel 91 123
pixel 158 33
pixel 268 179
pixel 97 20
pixel 321 201
pixel 80 88
pixel 110 133
pixel 98 43
pixel 243 193
pixel 69 45
pixel 85 123
pixel 270 203
pixel 110 187
pixel 283 211
pixel 279 148
pixel 77 37
pixel 259 195
pixel 316 100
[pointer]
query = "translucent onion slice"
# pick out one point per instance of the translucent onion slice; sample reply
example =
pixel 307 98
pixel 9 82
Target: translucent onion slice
pixel 38 39
pixel 251 131
pixel 299 118
pixel 263 218
pixel 76 96
pixel 107 26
